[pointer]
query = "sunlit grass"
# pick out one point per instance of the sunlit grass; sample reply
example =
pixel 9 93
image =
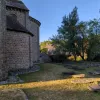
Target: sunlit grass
pixel 49 84
pixel 12 94
pixel 78 58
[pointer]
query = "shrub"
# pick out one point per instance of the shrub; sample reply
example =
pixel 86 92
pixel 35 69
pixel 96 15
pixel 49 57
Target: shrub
pixel 58 58
pixel 44 50
pixel 96 58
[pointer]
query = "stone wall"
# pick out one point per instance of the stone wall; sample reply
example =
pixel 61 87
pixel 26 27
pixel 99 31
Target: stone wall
pixel 21 15
pixel 23 18
pixel 17 50
pixel 3 69
pixel 35 50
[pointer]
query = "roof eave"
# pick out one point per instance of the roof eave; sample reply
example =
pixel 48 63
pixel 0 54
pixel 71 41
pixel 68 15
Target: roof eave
pixel 18 8
pixel 35 20
pixel 20 31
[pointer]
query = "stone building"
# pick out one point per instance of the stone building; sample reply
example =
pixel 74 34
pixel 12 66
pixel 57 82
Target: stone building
pixel 19 37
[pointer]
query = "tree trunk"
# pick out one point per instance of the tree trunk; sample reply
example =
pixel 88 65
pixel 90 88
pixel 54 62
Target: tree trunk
pixel 75 56
pixel 82 58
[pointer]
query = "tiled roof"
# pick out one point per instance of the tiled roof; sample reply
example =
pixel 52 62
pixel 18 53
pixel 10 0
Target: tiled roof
pixel 34 20
pixel 14 25
pixel 17 4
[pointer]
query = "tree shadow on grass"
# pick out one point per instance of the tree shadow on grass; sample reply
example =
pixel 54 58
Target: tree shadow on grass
pixel 56 90
pixel 60 94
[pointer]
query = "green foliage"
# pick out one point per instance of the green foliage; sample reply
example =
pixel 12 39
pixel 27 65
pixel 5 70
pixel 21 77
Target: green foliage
pixel 44 50
pixel 94 26
pixel 58 58
pixel 65 40
pixel 93 38
pixel 78 38
pixel 44 43
pixel 94 46
pixel 60 44
pixel 82 38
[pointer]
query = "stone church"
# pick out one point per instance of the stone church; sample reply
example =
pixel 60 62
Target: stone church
pixel 19 37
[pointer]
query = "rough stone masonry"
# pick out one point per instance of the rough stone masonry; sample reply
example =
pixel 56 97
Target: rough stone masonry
pixel 19 37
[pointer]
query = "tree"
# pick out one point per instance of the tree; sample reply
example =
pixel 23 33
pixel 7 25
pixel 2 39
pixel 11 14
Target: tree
pixel 78 38
pixel 93 38
pixel 67 33
pixel 44 50
pixel 47 47
pixel 94 26
pixel 59 43
pixel 44 43
pixel 82 39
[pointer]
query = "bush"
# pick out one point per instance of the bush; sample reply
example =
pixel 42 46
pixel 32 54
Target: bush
pixel 44 50
pixel 58 58
pixel 96 58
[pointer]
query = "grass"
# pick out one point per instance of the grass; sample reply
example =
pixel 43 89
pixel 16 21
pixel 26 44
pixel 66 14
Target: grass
pixel 12 94
pixel 47 72
pixel 49 84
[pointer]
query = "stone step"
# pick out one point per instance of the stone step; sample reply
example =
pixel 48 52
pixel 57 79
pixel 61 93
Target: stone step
pixel 78 76
pixel 95 88
pixel 85 80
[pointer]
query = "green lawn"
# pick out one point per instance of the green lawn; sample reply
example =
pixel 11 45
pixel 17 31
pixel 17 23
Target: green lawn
pixel 49 84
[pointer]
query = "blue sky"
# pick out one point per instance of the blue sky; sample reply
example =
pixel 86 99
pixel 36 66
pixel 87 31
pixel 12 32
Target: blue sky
pixel 50 13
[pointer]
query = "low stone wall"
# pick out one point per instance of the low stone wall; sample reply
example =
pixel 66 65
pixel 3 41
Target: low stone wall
pixel 13 75
pixel 3 74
